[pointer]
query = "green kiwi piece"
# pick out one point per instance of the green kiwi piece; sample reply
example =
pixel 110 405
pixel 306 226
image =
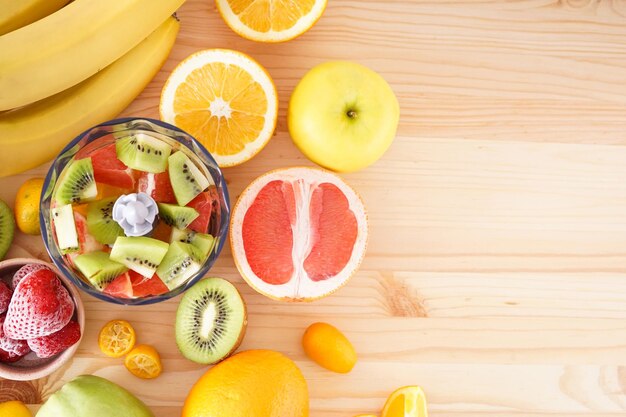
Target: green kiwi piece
pixel 177 216
pixel 141 254
pixel 181 262
pixel 7 228
pixel 98 268
pixel 77 183
pixel 210 321
pixel 202 241
pixel 65 229
pixel 143 152
pixel 100 221
pixel 186 178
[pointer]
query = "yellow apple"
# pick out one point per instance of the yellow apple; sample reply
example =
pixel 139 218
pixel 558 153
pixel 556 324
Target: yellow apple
pixel 343 116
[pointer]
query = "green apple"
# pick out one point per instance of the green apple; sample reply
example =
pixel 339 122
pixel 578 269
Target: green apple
pixel 92 396
pixel 343 116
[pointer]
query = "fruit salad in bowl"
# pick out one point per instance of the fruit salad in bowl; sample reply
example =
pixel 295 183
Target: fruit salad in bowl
pixel 134 211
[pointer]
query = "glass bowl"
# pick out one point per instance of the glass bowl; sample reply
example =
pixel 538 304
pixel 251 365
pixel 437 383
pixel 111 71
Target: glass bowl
pixel 166 132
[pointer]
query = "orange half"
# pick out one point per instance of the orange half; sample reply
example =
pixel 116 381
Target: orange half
pixel 226 100
pixel 271 20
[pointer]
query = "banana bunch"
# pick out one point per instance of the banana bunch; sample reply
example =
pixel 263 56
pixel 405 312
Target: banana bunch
pixel 77 67
pixel 17 13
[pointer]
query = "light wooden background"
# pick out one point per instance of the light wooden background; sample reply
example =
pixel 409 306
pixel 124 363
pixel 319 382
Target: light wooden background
pixel 496 272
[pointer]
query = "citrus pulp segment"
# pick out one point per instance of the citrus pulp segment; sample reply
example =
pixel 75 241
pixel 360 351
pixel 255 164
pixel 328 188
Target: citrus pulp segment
pixel 407 401
pixel 224 99
pixel 298 234
pixel 271 20
pixel 116 338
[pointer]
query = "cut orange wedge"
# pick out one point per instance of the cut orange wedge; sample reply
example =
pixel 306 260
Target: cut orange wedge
pixel 406 402
pixel 116 338
pixel 226 100
pixel 144 362
pixel 271 20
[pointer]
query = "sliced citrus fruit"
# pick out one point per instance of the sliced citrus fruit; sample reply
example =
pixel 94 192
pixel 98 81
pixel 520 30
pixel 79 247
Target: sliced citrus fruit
pixel 298 234
pixel 144 362
pixel 406 402
pixel 116 338
pixel 271 20
pixel 226 100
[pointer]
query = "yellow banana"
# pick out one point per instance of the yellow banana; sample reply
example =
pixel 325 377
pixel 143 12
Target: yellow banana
pixel 71 45
pixel 34 134
pixel 15 14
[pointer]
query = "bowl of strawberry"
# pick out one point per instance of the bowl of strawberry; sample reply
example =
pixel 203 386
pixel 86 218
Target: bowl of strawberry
pixel 134 211
pixel 41 319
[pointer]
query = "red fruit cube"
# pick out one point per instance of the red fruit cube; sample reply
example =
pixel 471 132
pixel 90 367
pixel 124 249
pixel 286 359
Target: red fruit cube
pixel 120 287
pixel 109 170
pixel 207 205
pixel 157 186
pixel 143 287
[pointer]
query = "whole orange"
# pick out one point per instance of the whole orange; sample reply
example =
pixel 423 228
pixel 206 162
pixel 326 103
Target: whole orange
pixel 253 383
pixel 27 206
pixel 329 348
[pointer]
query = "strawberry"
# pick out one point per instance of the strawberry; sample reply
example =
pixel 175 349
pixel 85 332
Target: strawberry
pixel 8 357
pixel 40 306
pixel 47 346
pixel 12 348
pixel 25 270
pixel 5 297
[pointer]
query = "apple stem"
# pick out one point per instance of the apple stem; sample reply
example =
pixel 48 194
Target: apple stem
pixel 351 114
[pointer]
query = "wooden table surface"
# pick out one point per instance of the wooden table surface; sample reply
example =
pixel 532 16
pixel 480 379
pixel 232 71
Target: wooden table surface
pixel 495 277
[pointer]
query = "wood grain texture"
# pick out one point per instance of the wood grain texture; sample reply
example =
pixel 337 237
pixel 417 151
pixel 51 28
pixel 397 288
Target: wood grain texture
pixel 496 271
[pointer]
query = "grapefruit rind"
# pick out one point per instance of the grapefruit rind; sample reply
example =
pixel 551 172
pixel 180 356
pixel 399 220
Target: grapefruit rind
pixel 228 57
pixel 298 289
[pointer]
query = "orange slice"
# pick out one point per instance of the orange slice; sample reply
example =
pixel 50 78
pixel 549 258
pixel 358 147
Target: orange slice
pixel 406 402
pixel 271 20
pixel 116 338
pixel 226 100
pixel 144 362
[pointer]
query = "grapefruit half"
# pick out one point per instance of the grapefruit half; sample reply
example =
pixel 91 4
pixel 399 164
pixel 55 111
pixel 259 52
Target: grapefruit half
pixel 298 234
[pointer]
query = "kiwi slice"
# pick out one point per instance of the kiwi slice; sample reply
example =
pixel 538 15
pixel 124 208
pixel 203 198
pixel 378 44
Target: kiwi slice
pixel 141 254
pixel 203 242
pixel 177 216
pixel 100 221
pixel 186 178
pixel 77 183
pixel 143 152
pixel 65 228
pixel 210 321
pixel 181 262
pixel 7 228
pixel 98 268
